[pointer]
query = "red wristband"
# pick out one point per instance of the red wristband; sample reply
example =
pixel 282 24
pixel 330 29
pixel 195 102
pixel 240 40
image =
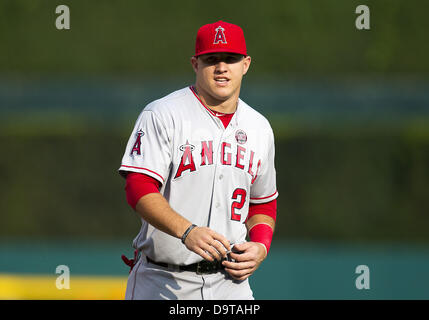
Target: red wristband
pixel 262 233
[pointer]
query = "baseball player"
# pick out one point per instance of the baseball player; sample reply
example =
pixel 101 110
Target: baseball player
pixel 199 169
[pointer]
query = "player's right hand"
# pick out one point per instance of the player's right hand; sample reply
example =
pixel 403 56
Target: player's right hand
pixel 207 243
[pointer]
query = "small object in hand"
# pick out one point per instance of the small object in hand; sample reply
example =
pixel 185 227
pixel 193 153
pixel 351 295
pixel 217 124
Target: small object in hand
pixel 228 256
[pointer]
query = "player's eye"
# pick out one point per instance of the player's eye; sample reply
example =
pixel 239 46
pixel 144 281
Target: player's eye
pixel 211 60
pixel 233 59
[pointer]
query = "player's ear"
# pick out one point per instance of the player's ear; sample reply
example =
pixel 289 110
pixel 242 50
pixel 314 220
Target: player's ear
pixel 246 64
pixel 194 62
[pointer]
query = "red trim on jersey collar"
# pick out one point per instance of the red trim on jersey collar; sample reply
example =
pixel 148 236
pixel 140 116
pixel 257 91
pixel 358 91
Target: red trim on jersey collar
pixel 196 96
pixel 225 118
pixel 213 113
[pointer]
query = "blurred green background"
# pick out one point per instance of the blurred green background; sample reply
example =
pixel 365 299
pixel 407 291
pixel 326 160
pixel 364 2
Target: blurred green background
pixel 349 109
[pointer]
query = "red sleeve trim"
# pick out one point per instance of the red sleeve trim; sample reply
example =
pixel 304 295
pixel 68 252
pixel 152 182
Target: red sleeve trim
pixel 268 209
pixel 139 185
pixel 146 170
pixel 264 197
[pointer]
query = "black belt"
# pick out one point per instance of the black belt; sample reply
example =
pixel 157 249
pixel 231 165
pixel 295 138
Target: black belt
pixel 202 267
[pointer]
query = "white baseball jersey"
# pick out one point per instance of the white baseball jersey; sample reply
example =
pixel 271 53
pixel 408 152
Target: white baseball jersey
pixel 209 173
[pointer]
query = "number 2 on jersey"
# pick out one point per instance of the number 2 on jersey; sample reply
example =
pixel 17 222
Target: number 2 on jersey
pixel 239 195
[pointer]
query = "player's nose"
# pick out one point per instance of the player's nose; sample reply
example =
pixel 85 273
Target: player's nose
pixel 221 67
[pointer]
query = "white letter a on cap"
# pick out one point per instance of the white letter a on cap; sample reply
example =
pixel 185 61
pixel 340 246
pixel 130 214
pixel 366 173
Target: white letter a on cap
pixel 220 36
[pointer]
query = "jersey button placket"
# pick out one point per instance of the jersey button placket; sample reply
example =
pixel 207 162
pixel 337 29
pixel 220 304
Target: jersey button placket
pixel 218 183
pixel 217 167
pixel 220 177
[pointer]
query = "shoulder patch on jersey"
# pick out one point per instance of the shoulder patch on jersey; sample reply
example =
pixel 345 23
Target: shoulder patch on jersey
pixel 241 136
pixel 137 144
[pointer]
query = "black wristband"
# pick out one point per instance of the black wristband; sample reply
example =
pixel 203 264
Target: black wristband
pixel 192 226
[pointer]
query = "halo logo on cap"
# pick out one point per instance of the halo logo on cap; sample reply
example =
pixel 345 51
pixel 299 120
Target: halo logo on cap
pixel 220 36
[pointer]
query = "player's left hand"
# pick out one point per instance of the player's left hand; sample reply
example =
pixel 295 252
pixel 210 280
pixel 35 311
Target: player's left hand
pixel 247 261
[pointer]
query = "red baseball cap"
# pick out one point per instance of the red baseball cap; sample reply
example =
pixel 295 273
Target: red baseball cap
pixel 220 37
